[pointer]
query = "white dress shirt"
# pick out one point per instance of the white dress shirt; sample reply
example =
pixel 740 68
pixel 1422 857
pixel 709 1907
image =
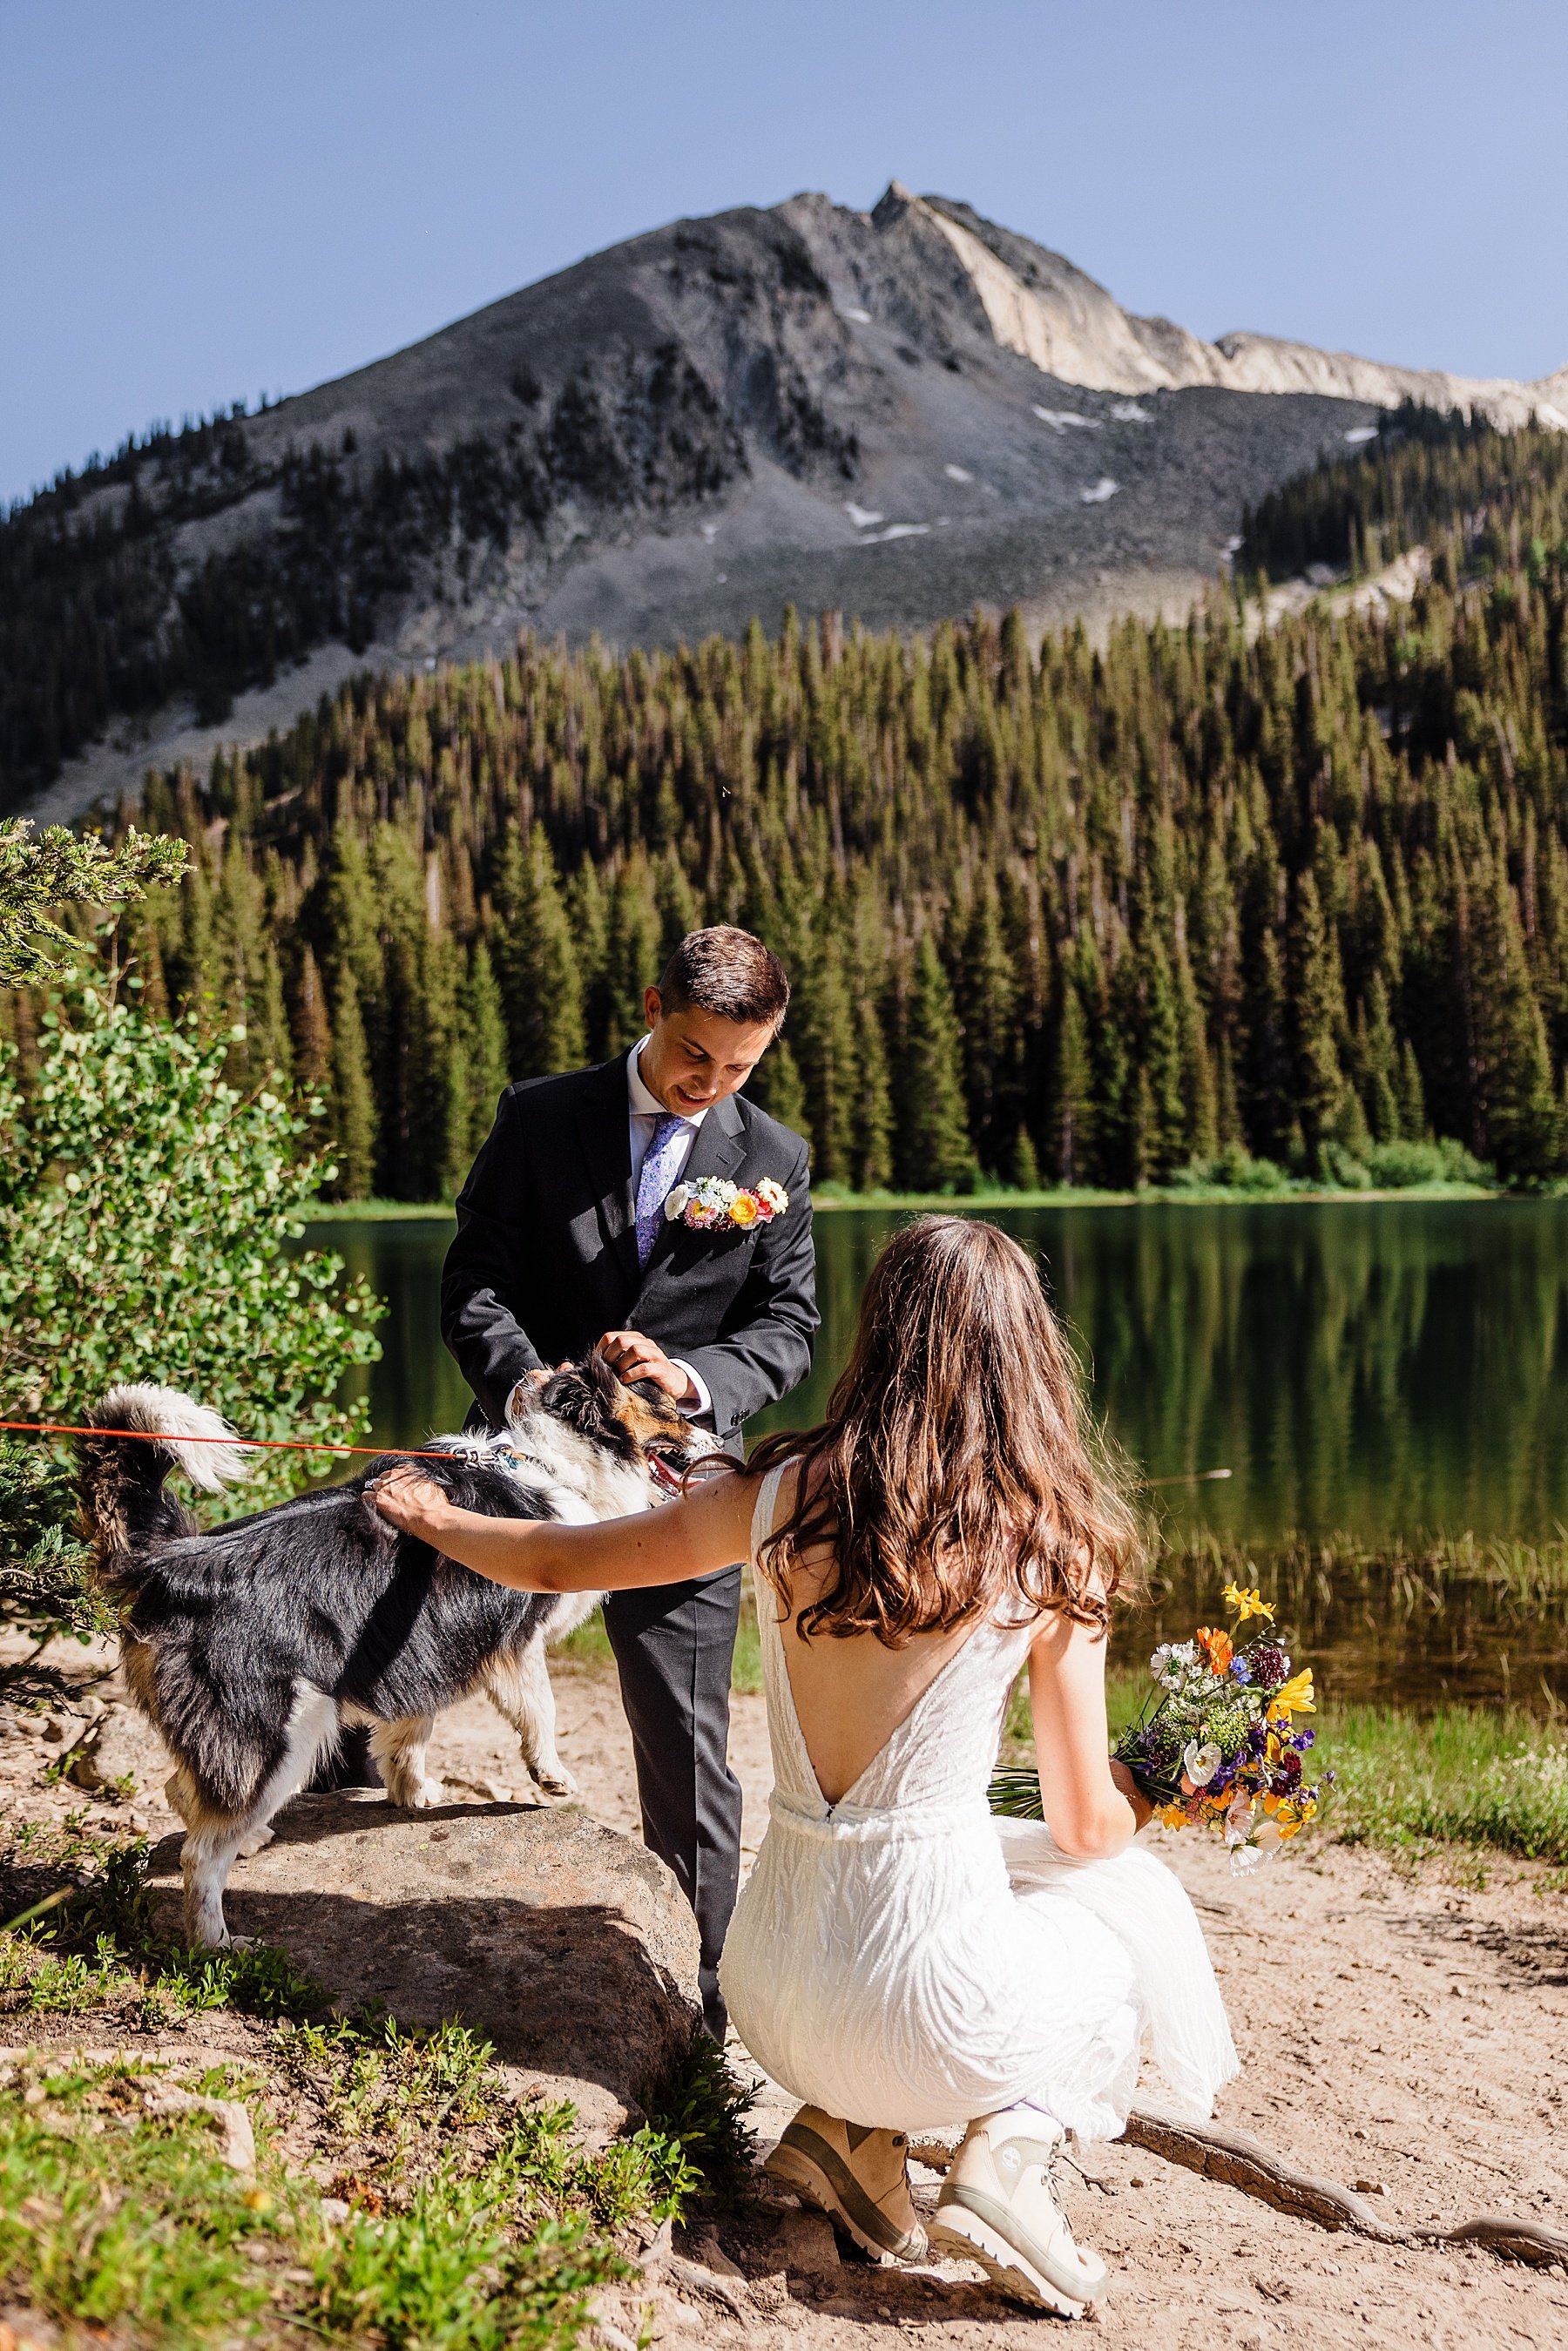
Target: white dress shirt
pixel 644 1110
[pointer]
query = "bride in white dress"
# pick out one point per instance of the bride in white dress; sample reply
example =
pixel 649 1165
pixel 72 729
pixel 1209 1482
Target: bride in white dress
pixel 900 1960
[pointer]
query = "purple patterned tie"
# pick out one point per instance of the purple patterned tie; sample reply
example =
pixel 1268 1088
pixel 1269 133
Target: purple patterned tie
pixel 656 1180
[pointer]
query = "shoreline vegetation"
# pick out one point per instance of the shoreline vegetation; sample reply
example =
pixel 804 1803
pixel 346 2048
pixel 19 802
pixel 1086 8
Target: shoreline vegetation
pixel 830 1197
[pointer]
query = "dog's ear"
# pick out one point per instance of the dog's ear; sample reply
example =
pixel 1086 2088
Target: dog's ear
pixel 522 1403
pixel 605 1383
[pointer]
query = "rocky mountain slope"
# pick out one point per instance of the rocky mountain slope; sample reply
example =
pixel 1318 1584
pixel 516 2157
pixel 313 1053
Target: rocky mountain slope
pixel 896 415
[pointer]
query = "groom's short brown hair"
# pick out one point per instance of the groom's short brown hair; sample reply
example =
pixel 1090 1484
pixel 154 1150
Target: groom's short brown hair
pixel 727 972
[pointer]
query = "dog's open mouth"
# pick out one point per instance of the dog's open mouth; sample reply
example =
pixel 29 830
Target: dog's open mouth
pixel 675 1472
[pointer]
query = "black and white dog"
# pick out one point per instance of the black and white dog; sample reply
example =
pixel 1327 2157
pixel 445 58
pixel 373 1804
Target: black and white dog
pixel 247 1647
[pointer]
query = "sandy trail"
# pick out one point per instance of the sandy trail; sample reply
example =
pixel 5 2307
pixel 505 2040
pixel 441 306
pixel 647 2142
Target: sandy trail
pixel 1405 2031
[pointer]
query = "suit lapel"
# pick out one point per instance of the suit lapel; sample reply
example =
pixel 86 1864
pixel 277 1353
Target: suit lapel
pixel 720 1150
pixel 602 1129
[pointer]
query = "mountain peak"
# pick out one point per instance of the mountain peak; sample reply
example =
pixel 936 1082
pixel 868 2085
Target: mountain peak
pixel 898 416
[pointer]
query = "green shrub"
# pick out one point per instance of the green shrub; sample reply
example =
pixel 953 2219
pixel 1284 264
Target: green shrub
pixel 1234 1169
pixel 1396 1166
pixel 146 1206
pixel 45 1593
pixel 148 1211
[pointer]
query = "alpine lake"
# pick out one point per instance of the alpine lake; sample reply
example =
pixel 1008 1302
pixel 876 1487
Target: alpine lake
pixel 1385 1382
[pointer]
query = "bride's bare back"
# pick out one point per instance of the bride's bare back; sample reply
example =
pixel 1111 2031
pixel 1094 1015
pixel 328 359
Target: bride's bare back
pixel 851 1692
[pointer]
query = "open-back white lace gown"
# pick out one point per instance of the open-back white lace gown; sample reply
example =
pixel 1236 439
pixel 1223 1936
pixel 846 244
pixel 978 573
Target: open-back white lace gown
pixel 907 1960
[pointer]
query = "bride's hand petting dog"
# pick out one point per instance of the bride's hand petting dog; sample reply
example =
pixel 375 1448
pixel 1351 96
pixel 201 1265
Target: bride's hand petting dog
pixel 413 1502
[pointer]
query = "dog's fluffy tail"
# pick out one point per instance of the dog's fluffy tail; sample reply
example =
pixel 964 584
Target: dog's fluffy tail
pixel 124 1504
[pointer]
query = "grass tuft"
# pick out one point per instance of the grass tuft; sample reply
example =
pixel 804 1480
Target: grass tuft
pixel 702 2108
pixel 1459 1776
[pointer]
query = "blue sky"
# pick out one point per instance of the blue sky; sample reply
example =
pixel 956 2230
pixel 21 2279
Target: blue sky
pixel 202 201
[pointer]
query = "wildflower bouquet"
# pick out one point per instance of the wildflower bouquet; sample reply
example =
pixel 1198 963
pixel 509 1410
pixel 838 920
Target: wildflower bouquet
pixel 1216 1744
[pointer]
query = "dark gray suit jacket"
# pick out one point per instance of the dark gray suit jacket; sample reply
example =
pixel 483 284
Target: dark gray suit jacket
pixel 546 1255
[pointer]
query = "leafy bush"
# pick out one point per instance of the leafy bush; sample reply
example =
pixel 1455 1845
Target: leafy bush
pixel 146 1207
pixel 147 1210
pixel 1394 1166
pixel 43 1592
pixel 1234 1169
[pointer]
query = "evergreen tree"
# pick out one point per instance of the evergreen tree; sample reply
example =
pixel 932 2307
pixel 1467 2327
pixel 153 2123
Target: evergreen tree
pixel 986 994
pixel 775 1086
pixel 312 1029
pixel 485 1027
pixel 1319 1021
pixel 1199 1092
pixel 1073 1139
pixel 632 961
pixel 821 1026
pixel 1379 1055
pixel 874 1122
pixel 353 1099
pixel 933 1150
pixel 1161 1069
pixel 538 966
pixel 1522 1118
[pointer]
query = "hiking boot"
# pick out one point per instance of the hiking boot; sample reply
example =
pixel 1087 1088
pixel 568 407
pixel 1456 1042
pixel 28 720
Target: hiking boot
pixel 859 2178
pixel 997 2207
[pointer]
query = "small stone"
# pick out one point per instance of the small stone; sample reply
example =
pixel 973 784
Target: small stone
pixel 333 2210
pixel 54 1730
pixel 807 2245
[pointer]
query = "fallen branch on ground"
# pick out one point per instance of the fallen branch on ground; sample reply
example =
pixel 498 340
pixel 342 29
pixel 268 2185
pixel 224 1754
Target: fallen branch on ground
pixel 1236 2159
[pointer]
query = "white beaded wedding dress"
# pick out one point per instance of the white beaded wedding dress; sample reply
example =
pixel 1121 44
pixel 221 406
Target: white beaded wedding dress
pixel 907 1961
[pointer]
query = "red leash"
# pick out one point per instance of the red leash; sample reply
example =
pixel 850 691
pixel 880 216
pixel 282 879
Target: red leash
pixel 271 1444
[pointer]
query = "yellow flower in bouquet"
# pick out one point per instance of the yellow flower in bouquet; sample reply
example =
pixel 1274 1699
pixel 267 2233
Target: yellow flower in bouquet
pixel 1295 1697
pixel 1248 1604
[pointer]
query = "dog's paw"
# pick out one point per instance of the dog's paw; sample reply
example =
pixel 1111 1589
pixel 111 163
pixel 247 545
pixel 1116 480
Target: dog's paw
pixel 559 1783
pixel 425 1796
pixel 256 1843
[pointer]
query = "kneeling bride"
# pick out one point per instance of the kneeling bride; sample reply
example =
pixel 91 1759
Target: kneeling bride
pixel 900 1960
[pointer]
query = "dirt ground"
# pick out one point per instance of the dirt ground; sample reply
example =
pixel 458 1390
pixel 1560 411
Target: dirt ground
pixel 1404 2031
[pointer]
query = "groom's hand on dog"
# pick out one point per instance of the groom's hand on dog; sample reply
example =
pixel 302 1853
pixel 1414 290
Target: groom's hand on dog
pixel 631 1356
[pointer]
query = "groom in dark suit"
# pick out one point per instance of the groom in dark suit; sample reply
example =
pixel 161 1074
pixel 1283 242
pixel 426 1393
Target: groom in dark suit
pixel 564 1243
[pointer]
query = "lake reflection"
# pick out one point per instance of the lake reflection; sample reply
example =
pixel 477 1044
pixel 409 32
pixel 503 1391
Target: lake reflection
pixel 1385 1368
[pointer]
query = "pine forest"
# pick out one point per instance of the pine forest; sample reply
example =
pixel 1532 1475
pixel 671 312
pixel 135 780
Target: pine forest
pixel 1213 896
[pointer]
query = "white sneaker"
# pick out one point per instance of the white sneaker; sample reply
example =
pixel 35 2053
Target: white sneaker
pixel 997 2207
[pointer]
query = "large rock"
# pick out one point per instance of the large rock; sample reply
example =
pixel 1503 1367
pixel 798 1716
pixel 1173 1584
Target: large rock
pixel 118 1750
pixel 566 1945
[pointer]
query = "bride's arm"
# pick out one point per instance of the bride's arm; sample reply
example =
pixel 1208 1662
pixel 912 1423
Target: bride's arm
pixel 709 1527
pixel 1090 1807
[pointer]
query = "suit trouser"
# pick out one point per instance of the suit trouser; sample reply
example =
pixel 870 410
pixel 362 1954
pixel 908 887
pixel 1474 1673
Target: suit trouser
pixel 674 1644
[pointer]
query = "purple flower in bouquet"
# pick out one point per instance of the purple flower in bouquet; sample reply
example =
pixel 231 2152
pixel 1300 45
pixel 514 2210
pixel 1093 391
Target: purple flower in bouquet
pixel 1271 1666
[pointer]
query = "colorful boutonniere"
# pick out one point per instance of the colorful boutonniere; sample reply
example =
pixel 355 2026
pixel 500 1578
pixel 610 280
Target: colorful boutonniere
pixel 714 1200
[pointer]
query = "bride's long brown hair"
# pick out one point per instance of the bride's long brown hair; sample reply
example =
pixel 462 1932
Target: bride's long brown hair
pixel 958 1469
